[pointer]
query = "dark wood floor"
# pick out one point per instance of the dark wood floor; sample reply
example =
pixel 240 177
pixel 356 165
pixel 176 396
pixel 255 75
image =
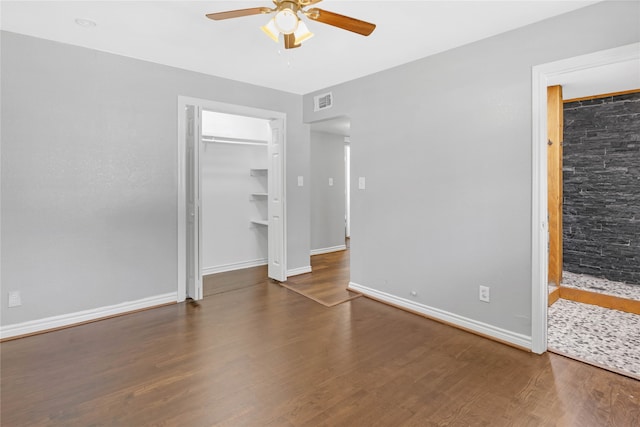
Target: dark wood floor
pixel 233 280
pixel 262 355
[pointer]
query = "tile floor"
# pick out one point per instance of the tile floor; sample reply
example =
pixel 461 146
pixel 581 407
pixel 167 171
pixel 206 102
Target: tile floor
pixel 602 337
pixel 599 285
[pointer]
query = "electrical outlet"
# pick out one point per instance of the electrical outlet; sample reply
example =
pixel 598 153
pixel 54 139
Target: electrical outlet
pixel 14 299
pixel 484 294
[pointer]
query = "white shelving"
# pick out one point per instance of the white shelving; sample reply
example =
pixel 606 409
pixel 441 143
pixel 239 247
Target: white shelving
pixel 259 197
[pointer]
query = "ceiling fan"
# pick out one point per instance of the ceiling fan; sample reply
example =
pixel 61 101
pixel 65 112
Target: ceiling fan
pixel 286 20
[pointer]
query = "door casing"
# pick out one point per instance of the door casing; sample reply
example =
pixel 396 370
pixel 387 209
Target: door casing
pixel 204 104
pixel 554 181
pixel 539 210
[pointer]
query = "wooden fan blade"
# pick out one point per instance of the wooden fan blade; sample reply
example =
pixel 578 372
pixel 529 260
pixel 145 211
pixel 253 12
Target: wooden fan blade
pixel 341 21
pixel 290 41
pixel 238 13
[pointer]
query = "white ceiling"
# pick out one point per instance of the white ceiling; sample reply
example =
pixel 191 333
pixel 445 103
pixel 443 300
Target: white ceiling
pixel 177 33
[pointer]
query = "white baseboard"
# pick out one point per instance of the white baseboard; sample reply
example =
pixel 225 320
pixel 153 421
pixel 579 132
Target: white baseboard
pixel 297 271
pixel 327 250
pixel 445 316
pixel 234 266
pixel 69 319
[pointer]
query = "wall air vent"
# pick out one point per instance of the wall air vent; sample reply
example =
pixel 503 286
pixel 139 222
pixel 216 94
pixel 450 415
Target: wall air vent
pixel 322 102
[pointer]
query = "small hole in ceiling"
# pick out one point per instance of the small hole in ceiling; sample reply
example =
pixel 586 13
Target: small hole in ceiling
pixel 87 23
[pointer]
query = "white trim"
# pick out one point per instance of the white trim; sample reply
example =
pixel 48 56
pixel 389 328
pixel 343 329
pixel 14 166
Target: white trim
pixel 445 316
pixel 298 271
pixel 234 266
pixel 210 105
pixel 182 201
pixel 540 75
pixel 539 216
pixel 71 319
pixel 328 250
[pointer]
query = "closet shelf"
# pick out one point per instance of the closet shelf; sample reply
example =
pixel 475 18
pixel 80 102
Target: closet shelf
pixel 255 172
pixel 259 196
pixel 228 140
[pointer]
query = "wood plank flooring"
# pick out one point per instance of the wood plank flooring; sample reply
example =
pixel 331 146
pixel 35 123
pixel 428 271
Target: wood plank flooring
pixel 327 283
pixel 262 355
pixel 233 280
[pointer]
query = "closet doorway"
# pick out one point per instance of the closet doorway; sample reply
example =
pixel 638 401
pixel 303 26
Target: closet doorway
pixel 231 177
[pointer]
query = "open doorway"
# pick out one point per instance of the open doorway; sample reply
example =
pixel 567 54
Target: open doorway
pixel 329 185
pixel 234 188
pixel 595 314
pixel 330 220
pixel 545 75
pixel 229 128
pixel 593 101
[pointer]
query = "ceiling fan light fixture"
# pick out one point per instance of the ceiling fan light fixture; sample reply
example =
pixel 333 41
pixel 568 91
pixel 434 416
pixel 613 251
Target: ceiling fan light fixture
pixel 271 30
pixel 286 21
pixel 302 33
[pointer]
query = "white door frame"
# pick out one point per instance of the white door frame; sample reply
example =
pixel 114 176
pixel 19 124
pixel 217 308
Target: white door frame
pixel 541 74
pixel 220 107
pixel 347 187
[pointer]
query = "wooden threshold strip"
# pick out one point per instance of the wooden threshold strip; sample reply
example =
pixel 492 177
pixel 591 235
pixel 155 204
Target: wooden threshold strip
pixel 602 300
pixel 318 300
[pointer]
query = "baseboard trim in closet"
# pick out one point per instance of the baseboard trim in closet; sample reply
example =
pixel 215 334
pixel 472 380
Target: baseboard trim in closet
pixel 321 251
pixel 298 271
pixel 234 266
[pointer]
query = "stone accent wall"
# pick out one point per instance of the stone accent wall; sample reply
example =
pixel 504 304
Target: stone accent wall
pixel 601 168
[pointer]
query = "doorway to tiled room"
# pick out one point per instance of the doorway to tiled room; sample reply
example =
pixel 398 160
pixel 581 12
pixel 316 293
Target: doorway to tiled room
pixel 594 314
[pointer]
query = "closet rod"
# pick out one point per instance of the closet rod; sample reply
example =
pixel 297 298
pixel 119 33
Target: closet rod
pixel 229 140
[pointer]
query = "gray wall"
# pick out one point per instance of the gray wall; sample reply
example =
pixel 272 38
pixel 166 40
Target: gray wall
pixel 601 174
pixel 89 174
pixel 327 202
pixel 445 146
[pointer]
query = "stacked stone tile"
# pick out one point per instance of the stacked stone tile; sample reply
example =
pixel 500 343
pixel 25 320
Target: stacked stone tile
pixel 601 174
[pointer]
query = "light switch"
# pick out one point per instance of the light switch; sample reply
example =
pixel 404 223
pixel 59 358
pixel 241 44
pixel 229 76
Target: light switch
pixel 361 183
pixel 300 181
pixel 330 181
